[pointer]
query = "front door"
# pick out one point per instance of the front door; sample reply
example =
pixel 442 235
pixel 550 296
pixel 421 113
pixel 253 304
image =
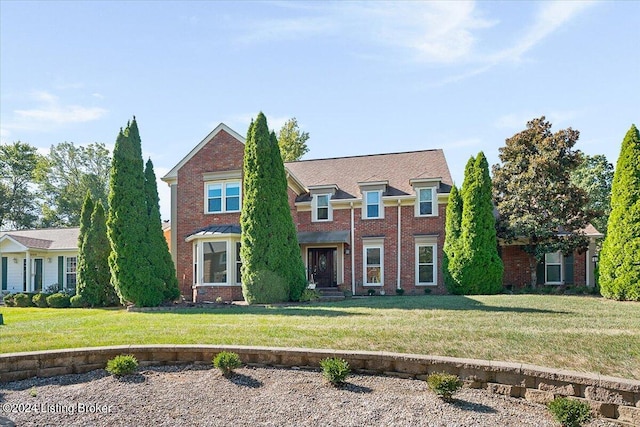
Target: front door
pixel 37 274
pixel 322 267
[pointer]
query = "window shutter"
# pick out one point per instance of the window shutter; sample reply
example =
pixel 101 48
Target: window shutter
pixel 60 272
pixel 540 273
pixel 568 269
pixel 4 273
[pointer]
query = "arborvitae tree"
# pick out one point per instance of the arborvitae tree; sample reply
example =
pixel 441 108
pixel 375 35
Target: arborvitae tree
pixel 272 269
pixel 478 262
pixel 96 288
pixel 534 195
pixel 452 240
pixel 162 266
pixel 619 272
pixel 85 225
pixel 127 223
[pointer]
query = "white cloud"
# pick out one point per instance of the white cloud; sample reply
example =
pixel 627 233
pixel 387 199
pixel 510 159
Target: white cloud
pixel 50 112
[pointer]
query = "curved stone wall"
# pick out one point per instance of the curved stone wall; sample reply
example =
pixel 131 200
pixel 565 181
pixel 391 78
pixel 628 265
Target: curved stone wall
pixel 613 398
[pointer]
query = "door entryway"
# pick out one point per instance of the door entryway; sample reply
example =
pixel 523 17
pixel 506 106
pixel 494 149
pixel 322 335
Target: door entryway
pixel 37 274
pixel 322 267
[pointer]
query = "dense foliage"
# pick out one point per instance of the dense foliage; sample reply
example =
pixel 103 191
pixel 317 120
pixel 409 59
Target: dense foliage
pixel 226 362
pixel 595 176
pixel 620 256
pixel 335 370
pixel 18 199
pixel 162 267
pixel 472 264
pixel 444 385
pixel 272 268
pixel 127 223
pixel 292 142
pixel 534 194
pixel 123 364
pixel 569 412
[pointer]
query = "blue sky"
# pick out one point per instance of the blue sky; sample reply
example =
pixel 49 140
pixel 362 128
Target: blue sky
pixel 361 77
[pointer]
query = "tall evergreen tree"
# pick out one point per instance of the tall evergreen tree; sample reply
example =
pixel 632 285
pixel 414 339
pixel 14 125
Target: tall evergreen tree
pixel 478 263
pixel 85 225
pixel 619 272
pixel 127 223
pixel 453 222
pixel 162 267
pixel 272 268
pixel 96 288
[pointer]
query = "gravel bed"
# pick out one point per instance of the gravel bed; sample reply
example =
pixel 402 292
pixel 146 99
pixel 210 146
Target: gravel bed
pixel 200 396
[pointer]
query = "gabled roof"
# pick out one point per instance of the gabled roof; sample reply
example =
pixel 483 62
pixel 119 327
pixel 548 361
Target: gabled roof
pixel 172 175
pixel 398 169
pixel 45 238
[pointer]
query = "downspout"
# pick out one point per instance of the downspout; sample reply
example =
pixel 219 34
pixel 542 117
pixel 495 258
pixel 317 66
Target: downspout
pixel 353 255
pixel 399 242
pixel 588 269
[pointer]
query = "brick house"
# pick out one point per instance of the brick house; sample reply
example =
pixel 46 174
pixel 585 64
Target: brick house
pixel 364 222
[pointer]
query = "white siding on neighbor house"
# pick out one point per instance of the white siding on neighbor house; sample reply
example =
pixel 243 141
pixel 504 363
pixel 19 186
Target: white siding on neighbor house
pixel 15 271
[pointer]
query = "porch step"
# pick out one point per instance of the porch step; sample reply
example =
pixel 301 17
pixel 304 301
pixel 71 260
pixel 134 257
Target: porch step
pixel 330 294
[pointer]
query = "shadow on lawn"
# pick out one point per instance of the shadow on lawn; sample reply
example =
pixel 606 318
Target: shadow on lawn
pixel 273 310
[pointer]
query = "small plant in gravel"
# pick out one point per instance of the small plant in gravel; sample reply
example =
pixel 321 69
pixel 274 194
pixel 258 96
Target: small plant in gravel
pixel 570 412
pixel 227 361
pixel 444 385
pixel 33 392
pixel 123 364
pixel 335 370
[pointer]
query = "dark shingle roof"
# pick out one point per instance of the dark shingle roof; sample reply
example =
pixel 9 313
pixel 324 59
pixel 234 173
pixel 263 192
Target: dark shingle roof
pixel 396 168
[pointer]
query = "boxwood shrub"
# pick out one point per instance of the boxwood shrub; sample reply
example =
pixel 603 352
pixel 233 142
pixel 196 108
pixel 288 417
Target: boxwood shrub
pixel 59 300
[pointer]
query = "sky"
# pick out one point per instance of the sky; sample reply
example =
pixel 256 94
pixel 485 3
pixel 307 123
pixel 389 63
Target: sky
pixel 360 77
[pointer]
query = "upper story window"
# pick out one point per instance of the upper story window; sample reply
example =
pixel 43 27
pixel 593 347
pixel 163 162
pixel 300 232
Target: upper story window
pixel 223 197
pixel 373 205
pixel 425 201
pixel 322 207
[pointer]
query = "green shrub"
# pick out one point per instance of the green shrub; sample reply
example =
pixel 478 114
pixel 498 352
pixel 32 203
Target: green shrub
pixel 59 300
pixel 40 300
pixel 227 361
pixel 427 291
pixel 371 292
pixel 399 291
pixel 8 300
pixel 22 300
pixel 335 370
pixel 78 301
pixel 264 287
pixel 569 412
pixel 444 385
pixel 123 364
pixel 309 295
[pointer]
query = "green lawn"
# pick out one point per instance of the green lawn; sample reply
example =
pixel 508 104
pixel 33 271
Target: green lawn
pixel 578 333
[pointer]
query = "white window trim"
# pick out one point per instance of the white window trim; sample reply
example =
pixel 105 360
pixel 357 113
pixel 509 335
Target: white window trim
pixel 372 245
pixel 67 272
pixel 315 207
pixel 417 264
pixel 198 252
pixel 434 202
pixel 224 185
pixel 561 263
pixel 365 211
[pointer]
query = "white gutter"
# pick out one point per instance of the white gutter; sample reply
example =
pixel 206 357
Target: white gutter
pixel 399 241
pixel 353 255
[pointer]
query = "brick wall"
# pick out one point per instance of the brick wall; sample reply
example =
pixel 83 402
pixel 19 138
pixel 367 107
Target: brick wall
pixel 222 153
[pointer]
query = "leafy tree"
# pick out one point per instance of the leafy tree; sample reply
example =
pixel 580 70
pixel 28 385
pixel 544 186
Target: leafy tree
pixel 127 223
pixel 162 267
pixel 595 176
pixel 65 176
pixel 18 199
pixel 620 255
pixel 94 275
pixel 534 195
pixel 477 265
pixel 452 240
pixel 272 268
pixel 292 142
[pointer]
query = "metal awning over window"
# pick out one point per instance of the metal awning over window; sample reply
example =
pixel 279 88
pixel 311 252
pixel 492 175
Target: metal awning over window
pixel 214 230
pixel 307 237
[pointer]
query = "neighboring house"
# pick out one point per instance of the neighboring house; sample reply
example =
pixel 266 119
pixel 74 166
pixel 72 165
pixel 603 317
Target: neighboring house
pixel 364 222
pixel 33 260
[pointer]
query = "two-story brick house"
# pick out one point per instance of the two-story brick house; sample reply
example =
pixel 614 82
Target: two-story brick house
pixel 364 222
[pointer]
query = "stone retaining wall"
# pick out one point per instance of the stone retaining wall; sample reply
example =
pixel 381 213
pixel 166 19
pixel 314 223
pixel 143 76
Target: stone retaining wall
pixel 613 398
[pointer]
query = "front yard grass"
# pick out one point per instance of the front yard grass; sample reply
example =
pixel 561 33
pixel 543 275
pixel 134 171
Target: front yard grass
pixel 569 332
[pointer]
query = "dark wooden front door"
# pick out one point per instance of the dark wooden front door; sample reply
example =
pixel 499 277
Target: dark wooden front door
pixel 322 267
